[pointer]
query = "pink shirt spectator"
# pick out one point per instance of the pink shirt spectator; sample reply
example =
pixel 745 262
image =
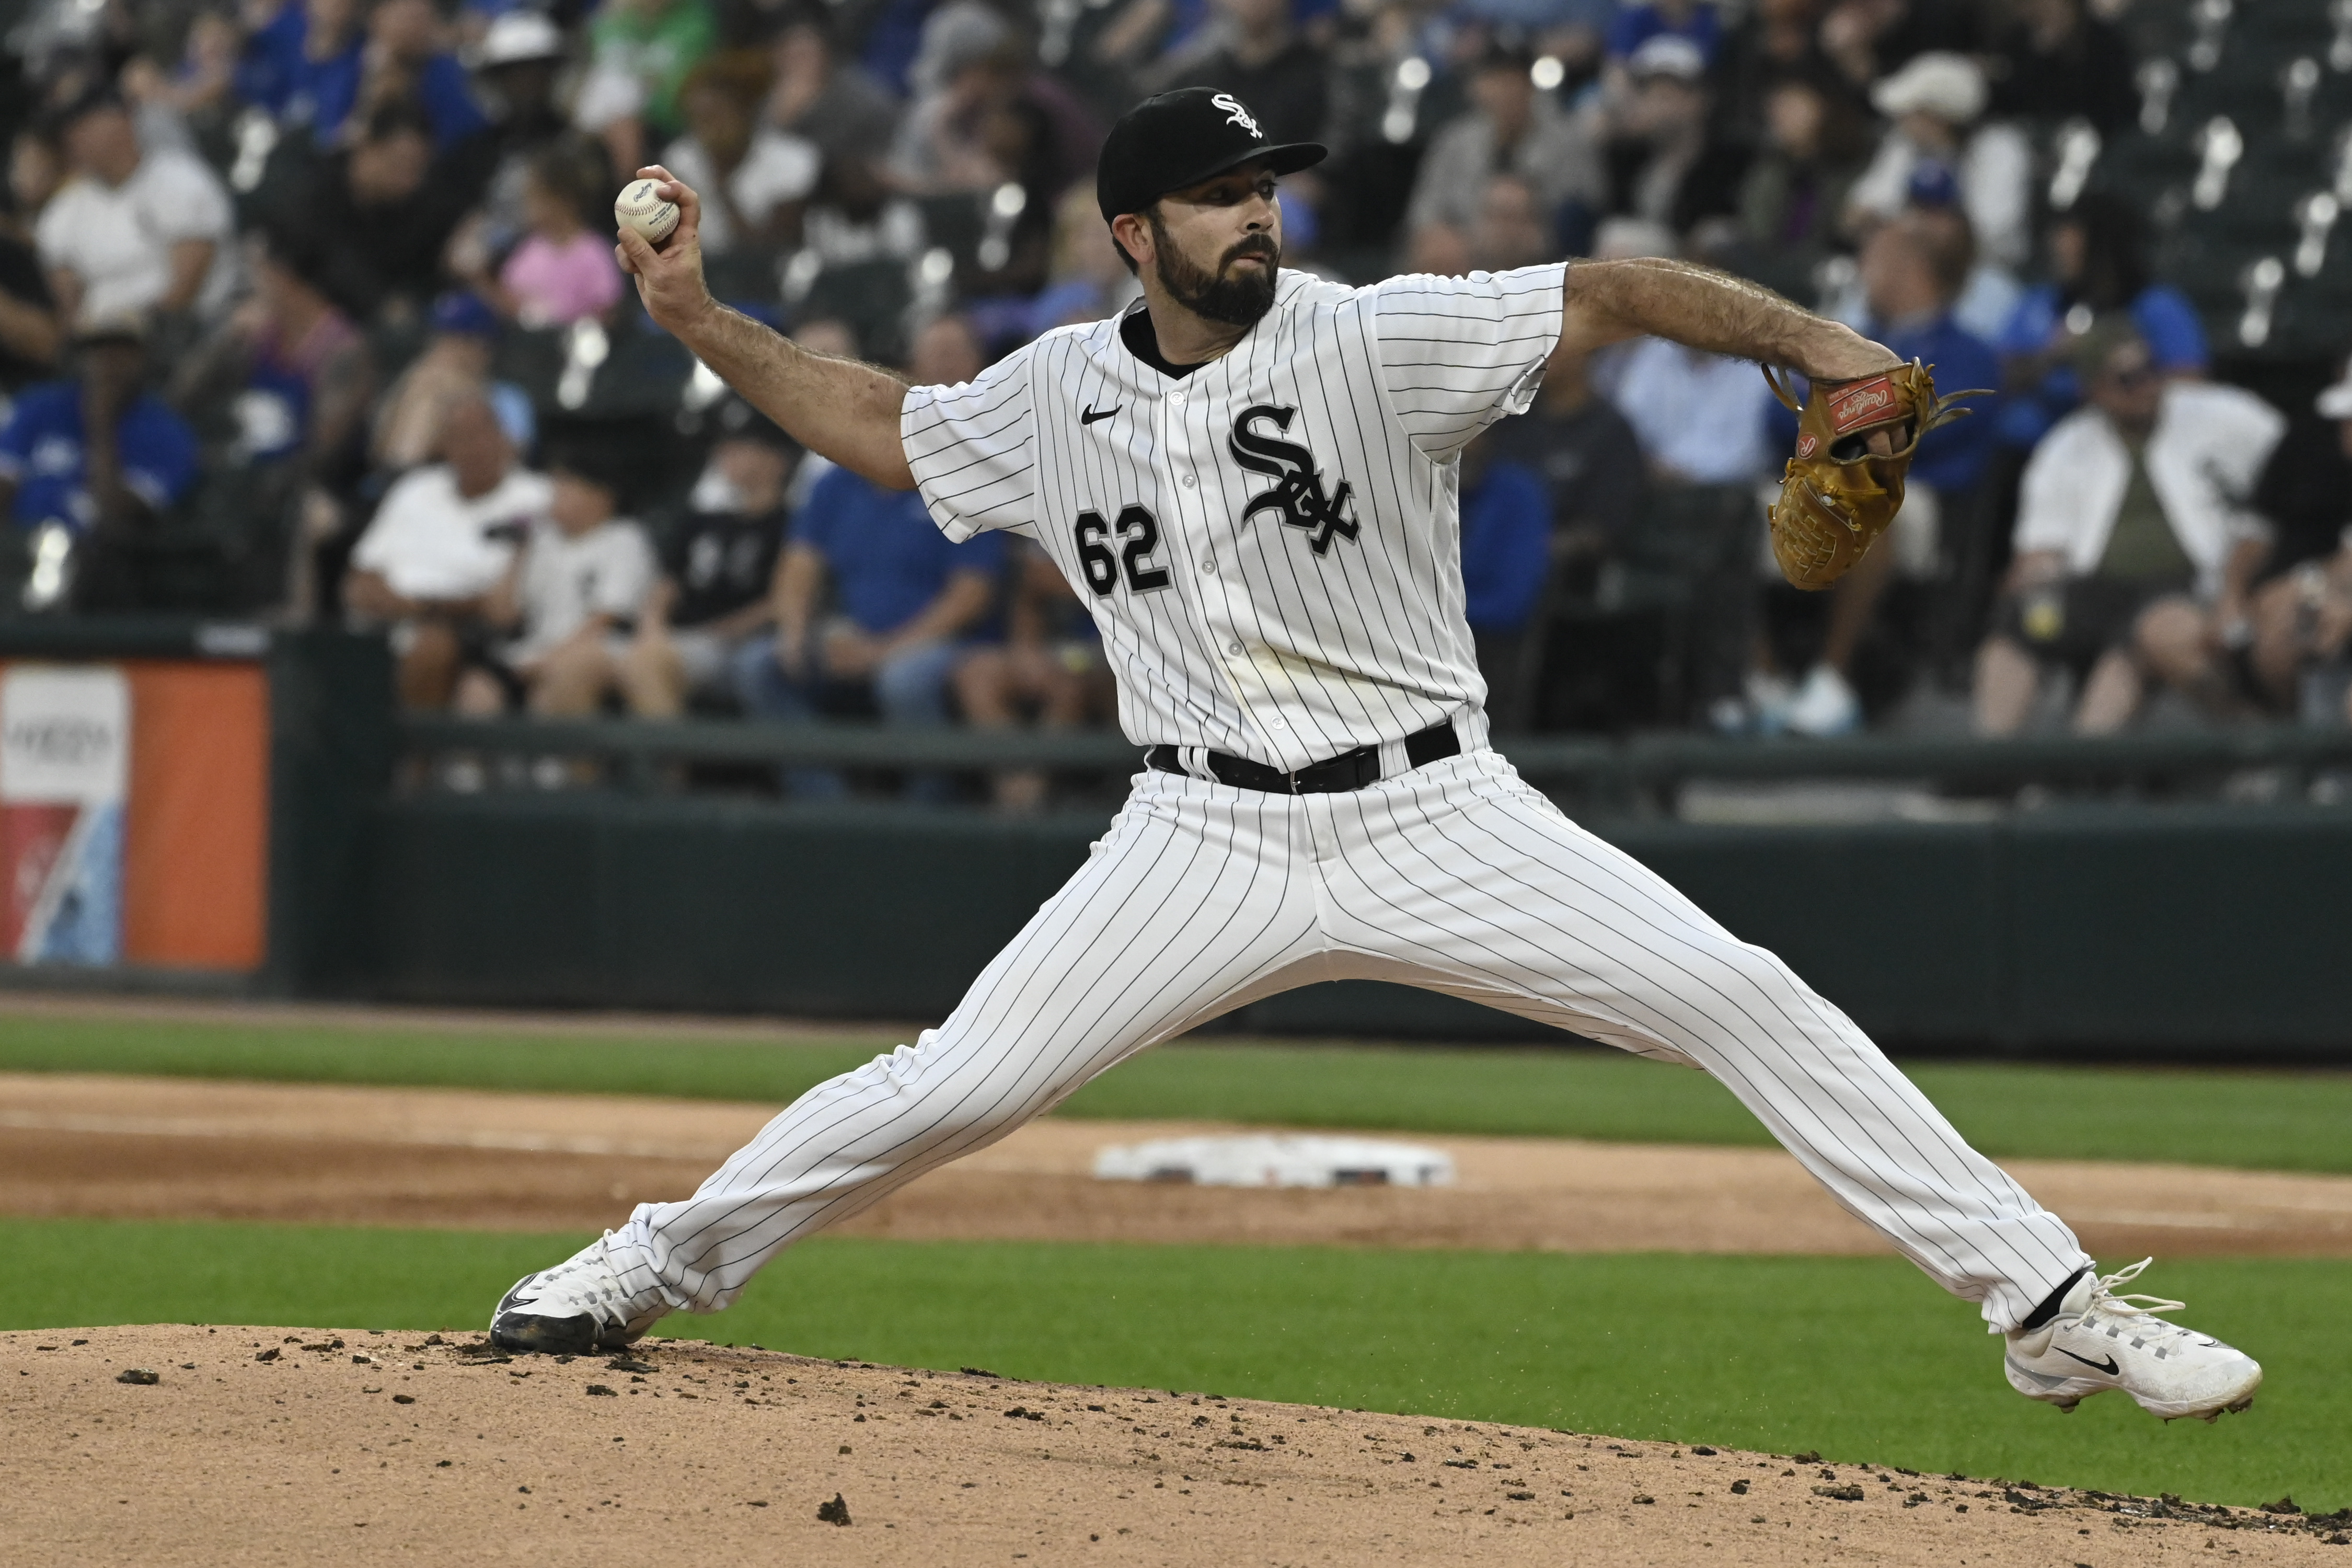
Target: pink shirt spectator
pixel 554 285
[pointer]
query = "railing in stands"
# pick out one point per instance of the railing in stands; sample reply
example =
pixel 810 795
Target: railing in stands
pixel 1641 774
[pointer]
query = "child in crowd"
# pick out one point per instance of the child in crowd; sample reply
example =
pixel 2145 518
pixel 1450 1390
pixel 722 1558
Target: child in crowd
pixel 570 602
pixel 563 270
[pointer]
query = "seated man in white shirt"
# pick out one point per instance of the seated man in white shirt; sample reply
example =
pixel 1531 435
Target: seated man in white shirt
pixel 137 230
pixel 440 543
pixel 567 603
pixel 2135 543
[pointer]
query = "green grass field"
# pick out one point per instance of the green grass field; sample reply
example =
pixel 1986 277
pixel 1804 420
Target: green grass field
pixel 2273 1120
pixel 1862 1359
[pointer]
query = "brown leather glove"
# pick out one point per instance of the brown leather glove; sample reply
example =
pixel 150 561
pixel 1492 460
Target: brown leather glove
pixel 1837 496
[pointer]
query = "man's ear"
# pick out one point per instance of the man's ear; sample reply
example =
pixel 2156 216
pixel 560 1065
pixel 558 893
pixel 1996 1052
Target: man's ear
pixel 1131 233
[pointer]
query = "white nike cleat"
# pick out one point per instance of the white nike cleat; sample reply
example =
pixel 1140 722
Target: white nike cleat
pixel 576 1307
pixel 2099 1341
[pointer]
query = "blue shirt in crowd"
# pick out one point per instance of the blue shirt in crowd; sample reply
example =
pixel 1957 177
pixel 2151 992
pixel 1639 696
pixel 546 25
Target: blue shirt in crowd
pixel 888 559
pixel 42 450
pixel 1951 458
pixel 2175 340
pixel 1506 546
pixel 276 75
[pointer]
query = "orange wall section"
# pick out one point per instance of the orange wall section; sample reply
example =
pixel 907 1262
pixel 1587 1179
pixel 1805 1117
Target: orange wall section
pixel 195 862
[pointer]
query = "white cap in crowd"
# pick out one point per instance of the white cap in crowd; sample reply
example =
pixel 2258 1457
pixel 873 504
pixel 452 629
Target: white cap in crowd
pixel 1947 85
pixel 1667 54
pixel 517 36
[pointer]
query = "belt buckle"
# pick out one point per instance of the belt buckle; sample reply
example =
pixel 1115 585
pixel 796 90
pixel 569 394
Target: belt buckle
pixel 1290 781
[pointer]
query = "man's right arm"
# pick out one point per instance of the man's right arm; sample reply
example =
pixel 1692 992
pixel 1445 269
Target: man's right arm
pixel 845 410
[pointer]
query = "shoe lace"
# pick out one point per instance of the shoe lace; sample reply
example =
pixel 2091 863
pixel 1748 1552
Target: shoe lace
pixel 2105 1301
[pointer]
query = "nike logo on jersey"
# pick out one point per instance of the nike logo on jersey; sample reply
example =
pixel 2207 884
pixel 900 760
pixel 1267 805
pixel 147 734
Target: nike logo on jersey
pixel 1298 495
pixel 1091 413
pixel 2107 1366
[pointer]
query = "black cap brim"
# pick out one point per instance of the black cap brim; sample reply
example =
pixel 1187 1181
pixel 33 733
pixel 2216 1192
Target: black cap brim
pixel 1284 158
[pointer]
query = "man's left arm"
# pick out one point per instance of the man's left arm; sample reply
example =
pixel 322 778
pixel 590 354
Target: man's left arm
pixel 2232 622
pixel 1603 302
pixel 192 262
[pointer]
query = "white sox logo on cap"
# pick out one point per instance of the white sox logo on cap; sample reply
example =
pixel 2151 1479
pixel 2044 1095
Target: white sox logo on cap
pixel 1237 115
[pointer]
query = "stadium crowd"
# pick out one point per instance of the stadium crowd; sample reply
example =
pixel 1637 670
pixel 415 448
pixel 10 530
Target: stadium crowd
pixel 309 309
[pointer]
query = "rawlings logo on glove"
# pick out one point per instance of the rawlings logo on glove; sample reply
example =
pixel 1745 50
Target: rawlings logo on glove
pixel 1837 496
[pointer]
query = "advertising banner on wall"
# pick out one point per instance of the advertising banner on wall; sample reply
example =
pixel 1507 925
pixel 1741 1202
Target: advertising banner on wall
pixel 65 769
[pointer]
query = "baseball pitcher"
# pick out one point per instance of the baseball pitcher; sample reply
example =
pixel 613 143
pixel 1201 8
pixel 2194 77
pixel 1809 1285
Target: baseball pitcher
pixel 1250 479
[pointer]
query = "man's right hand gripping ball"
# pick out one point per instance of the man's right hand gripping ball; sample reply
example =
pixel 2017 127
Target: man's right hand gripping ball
pixel 1855 441
pixel 669 276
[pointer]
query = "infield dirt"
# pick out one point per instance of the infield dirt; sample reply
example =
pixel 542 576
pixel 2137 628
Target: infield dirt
pixel 169 1148
pixel 267 1445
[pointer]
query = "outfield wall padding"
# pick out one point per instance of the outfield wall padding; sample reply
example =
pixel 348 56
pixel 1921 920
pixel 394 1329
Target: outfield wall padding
pixel 2186 931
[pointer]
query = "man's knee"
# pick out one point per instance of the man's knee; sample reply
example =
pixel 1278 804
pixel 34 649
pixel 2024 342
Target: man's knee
pixel 914 684
pixel 2171 635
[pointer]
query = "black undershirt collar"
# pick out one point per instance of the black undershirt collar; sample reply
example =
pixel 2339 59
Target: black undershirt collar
pixel 1135 330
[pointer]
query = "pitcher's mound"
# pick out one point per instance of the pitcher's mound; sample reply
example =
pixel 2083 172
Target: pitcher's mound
pixel 275 1445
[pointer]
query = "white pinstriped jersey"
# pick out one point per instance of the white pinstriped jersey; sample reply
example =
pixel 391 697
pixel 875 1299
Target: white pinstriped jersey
pixel 1270 545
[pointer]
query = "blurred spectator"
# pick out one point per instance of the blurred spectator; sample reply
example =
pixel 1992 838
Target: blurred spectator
pixel 903 596
pixel 292 367
pixel 1510 128
pixel 1267 64
pixel 322 82
pixel 439 546
pixel 91 464
pixel 568 602
pixel 1868 39
pixel 1506 567
pixel 454 368
pixel 2062 62
pixel 2303 612
pixel 713 597
pixel 31 336
pixel 1777 42
pixel 1588 458
pixel 563 270
pixel 752 178
pixel 36 168
pixel 1050 664
pixel 2098 266
pixel 379 224
pixel 514 74
pixel 199 91
pixel 1933 101
pixel 1510 230
pixel 1693 21
pixel 134 231
pixel 1662 163
pixel 1912 272
pixel 407 60
pixel 822 98
pixel 1793 195
pixel 1988 298
pixel 1700 417
pixel 2135 546
pixel 642 51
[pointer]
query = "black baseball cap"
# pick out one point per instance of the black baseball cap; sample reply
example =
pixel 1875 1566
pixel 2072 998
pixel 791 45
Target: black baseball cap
pixel 1180 139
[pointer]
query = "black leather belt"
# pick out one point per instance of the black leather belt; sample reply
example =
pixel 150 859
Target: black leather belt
pixel 1333 776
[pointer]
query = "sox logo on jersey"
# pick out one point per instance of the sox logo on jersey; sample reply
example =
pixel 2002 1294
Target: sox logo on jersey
pixel 1300 496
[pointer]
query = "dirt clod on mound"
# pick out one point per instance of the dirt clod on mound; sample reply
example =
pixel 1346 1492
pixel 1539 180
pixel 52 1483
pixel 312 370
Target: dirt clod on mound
pixel 432 1451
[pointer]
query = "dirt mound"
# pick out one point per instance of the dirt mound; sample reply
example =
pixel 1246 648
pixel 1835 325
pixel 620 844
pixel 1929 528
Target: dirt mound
pixel 176 1444
pixel 167 1148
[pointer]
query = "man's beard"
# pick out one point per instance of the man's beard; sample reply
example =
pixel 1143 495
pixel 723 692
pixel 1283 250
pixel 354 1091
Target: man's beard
pixel 1237 301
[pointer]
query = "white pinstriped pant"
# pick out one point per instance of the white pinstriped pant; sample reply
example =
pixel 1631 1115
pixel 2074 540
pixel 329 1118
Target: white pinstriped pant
pixel 1456 877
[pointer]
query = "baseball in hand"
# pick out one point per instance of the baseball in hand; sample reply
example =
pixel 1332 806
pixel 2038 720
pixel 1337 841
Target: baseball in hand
pixel 639 207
